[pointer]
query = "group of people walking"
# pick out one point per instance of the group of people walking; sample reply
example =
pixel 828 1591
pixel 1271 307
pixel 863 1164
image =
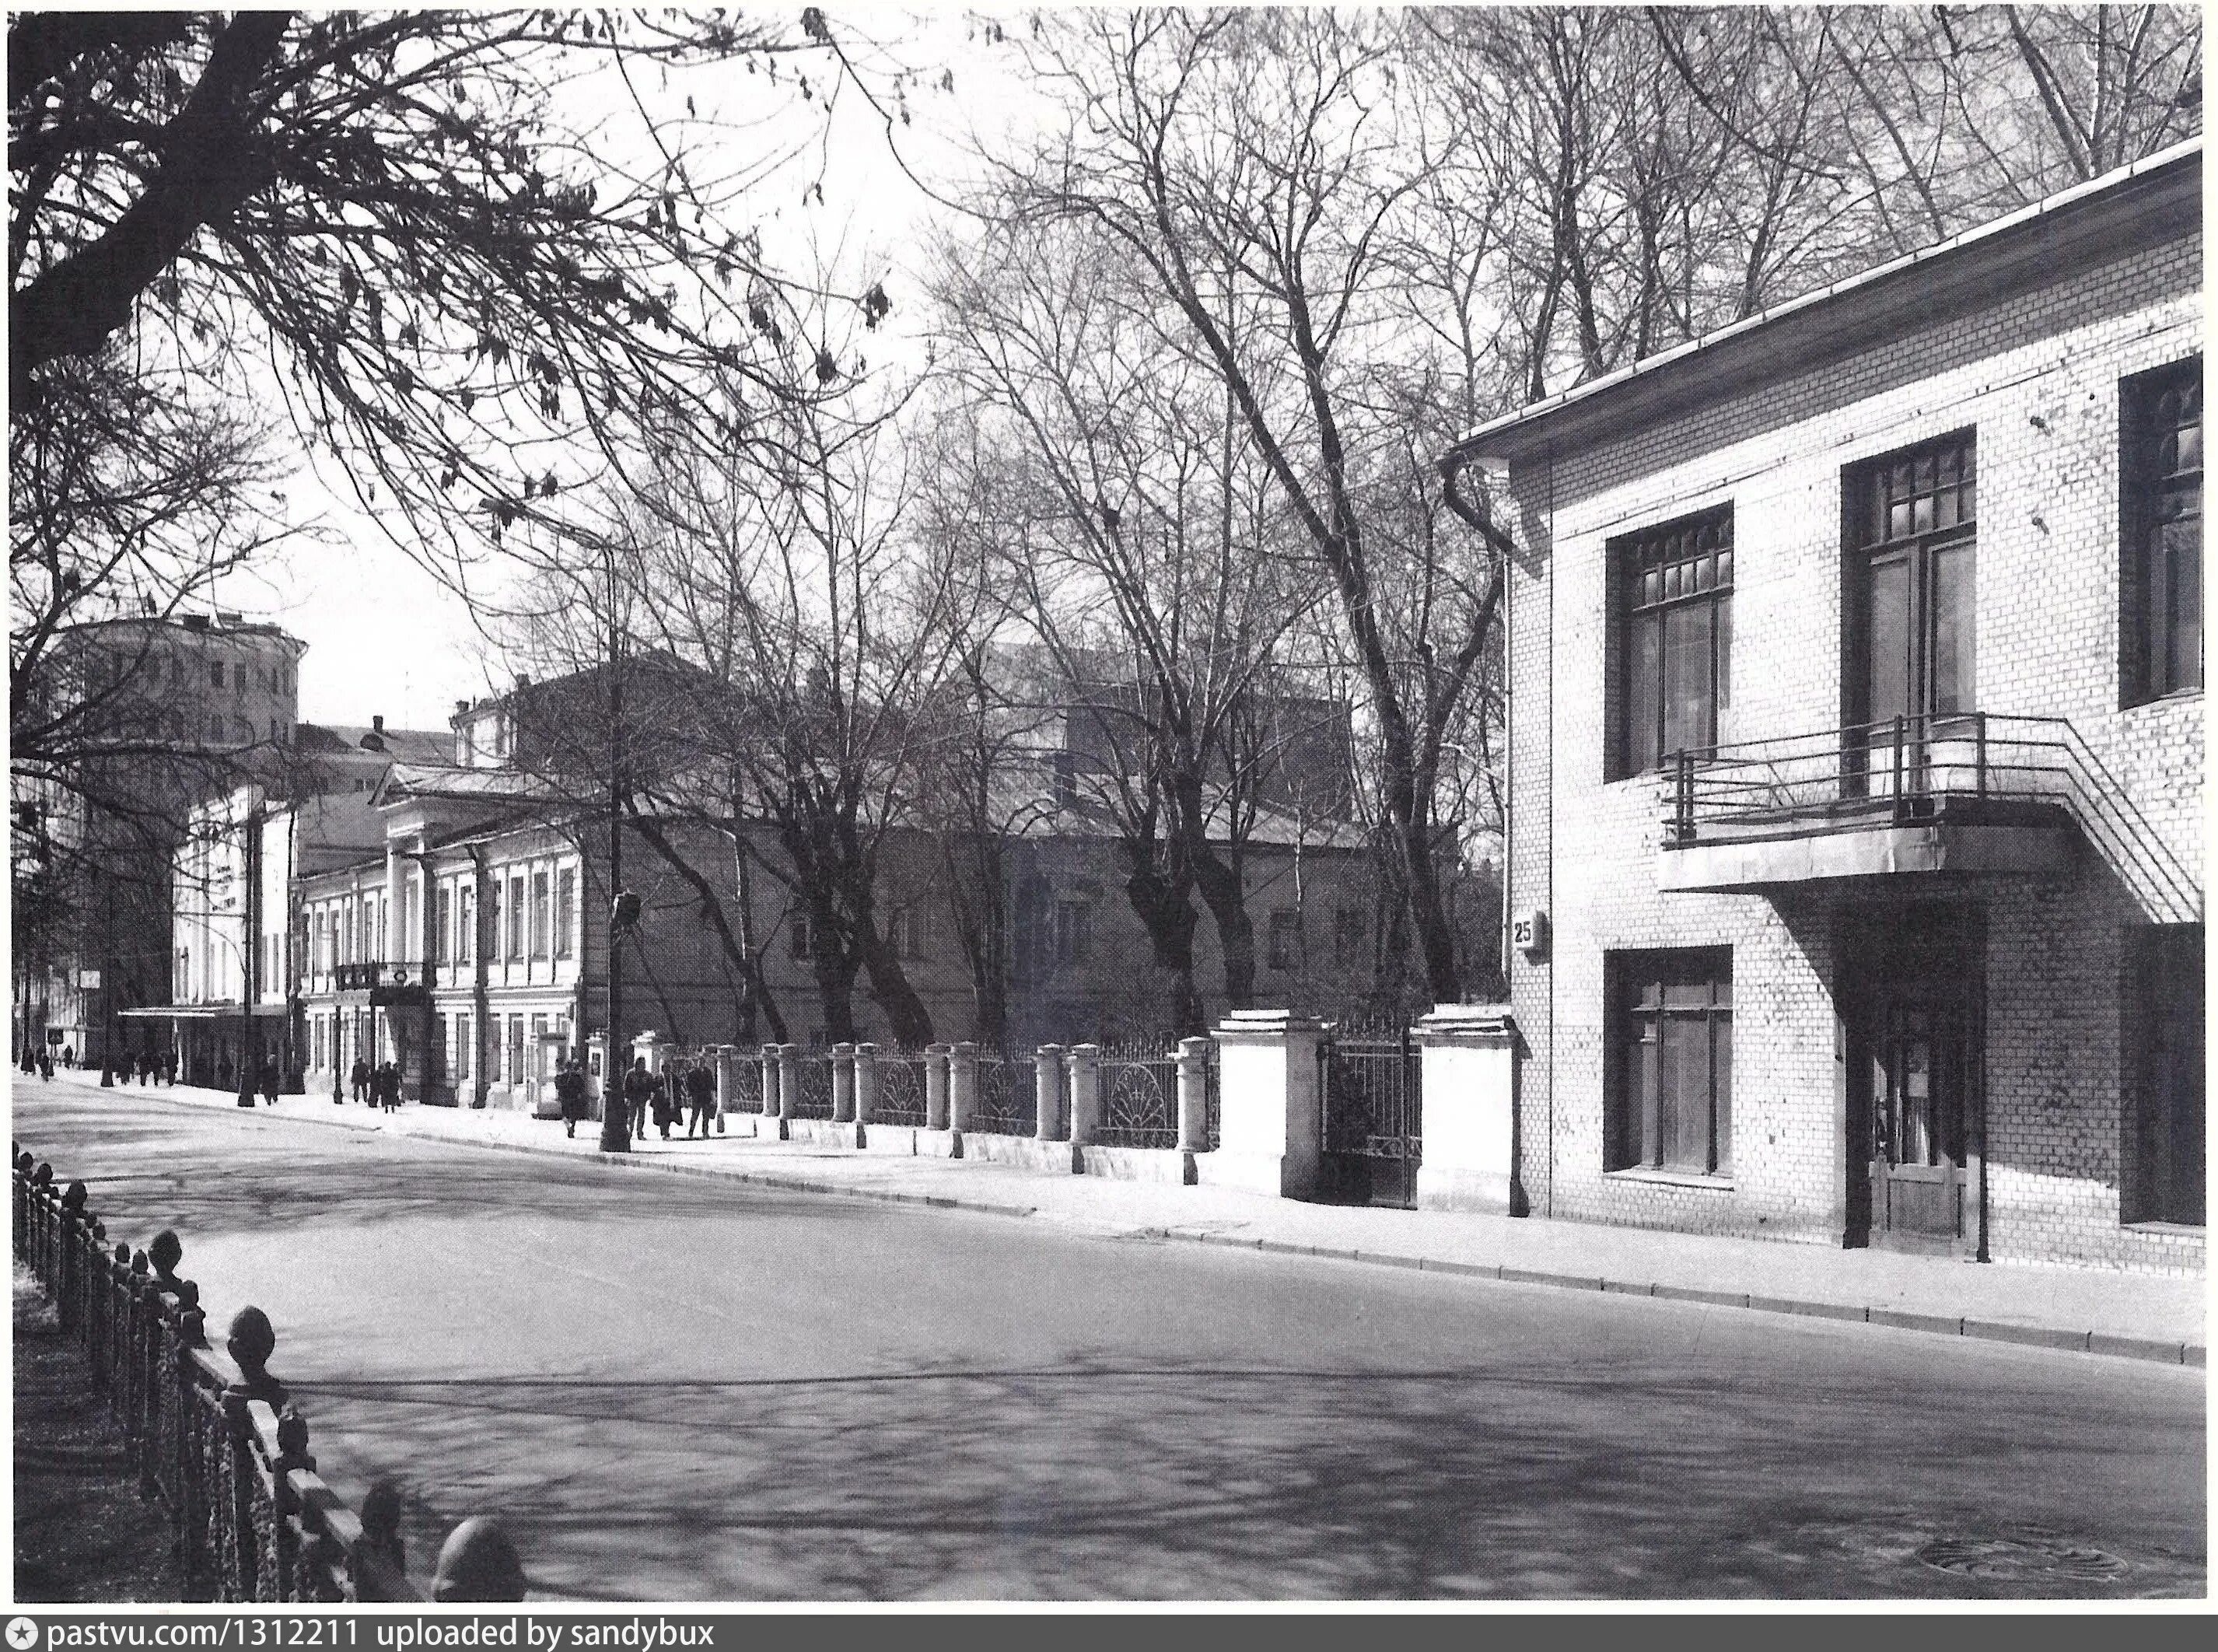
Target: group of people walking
pixel 686 1088
pixel 145 1066
pixel 378 1086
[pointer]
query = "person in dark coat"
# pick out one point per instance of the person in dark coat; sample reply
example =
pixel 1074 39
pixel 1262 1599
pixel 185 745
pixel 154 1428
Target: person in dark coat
pixel 269 1083
pixel 700 1099
pixel 639 1089
pixel 360 1077
pixel 665 1101
pixel 570 1094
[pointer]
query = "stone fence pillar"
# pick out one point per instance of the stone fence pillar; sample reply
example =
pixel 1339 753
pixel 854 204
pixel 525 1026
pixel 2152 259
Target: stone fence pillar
pixel 843 1084
pixel 728 1079
pixel 1193 1095
pixel 648 1045
pixel 768 1103
pixel 936 1056
pixel 962 1085
pixel 866 1082
pixel 1270 1108
pixel 788 1079
pixel 1470 1057
pixel 1084 1092
pixel 1047 1078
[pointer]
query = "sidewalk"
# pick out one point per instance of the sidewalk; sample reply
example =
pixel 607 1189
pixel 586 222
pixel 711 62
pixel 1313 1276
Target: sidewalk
pixel 2127 1315
pixel 82 1532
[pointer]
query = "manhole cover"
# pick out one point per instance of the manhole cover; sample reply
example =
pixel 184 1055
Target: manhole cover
pixel 2002 1559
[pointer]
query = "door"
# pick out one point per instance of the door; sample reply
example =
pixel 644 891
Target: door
pixel 1913 607
pixel 1919 1075
pixel 1911 991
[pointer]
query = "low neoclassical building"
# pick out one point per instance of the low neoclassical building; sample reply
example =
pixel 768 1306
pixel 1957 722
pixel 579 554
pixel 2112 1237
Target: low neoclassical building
pixel 1857 725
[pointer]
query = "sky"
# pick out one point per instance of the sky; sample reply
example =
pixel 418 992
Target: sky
pixel 385 638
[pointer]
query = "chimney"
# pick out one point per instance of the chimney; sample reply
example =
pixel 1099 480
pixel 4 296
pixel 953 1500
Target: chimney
pixel 377 722
pixel 461 708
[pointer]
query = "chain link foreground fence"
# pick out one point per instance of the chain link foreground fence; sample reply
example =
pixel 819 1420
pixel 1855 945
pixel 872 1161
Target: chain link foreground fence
pixel 209 1432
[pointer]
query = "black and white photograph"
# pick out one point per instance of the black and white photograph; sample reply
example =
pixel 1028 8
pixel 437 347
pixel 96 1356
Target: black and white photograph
pixel 1041 806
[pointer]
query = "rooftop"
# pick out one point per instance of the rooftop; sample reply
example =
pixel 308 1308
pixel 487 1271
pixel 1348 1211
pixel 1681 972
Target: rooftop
pixel 2155 198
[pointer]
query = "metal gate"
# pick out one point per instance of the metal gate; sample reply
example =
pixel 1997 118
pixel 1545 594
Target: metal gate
pixel 1373 1115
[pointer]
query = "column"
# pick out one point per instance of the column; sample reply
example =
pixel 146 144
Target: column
pixel 935 1059
pixel 1470 1059
pixel 962 1085
pixel 788 1079
pixel 1047 1069
pixel 728 1079
pixel 1193 1095
pixel 866 1082
pixel 1084 1092
pixel 768 1103
pixel 843 1084
pixel 1270 1107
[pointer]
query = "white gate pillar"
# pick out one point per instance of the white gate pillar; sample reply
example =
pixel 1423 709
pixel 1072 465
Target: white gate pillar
pixel 1269 1105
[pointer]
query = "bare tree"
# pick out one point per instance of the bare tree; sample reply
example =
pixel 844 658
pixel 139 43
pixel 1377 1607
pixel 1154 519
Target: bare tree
pixel 1138 519
pixel 1260 167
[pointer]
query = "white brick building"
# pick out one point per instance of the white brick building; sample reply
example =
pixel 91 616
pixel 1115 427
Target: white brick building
pixel 1857 726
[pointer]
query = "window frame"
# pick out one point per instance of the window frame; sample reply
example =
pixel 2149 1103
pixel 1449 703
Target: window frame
pixel 566 910
pixel 1638 990
pixel 1707 554
pixel 2148 497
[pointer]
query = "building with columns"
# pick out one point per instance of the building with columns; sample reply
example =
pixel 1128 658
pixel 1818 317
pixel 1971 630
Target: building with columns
pixel 235 955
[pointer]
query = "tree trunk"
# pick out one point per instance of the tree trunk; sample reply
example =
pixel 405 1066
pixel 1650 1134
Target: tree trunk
pixel 910 1021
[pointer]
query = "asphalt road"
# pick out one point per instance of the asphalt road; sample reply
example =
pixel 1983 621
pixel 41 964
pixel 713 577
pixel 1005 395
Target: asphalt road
pixel 675 1389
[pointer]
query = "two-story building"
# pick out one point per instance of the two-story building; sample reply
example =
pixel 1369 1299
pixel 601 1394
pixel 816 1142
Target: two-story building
pixel 1855 664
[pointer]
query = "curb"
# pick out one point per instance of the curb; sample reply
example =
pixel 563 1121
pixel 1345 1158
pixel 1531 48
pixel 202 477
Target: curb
pixel 2099 1344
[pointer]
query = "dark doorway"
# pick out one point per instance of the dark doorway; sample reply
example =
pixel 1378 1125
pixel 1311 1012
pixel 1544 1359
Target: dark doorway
pixel 2164 1058
pixel 1912 990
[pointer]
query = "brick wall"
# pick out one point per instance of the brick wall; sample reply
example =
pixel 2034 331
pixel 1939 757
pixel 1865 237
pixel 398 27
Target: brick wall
pixel 2037 376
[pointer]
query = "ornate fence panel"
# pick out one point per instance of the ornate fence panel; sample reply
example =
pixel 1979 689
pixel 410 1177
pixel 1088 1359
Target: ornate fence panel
pixel 1373 1108
pixel 747 1082
pixel 1139 1097
pixel 900 1089
pixel 209 1433
pixel 1008 1096
pixel 815 1101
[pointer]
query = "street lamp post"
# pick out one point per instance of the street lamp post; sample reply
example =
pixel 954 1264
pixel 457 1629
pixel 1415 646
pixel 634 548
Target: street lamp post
pixel 616 1115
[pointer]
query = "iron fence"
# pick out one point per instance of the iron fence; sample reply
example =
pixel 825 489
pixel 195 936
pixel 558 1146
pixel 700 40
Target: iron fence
pixel 209 1433
pixel 1373 1107
pixel 1139 1097
pixel 1008 1102
pixel 813 1099
pixel 747 1082
pixel 900 1089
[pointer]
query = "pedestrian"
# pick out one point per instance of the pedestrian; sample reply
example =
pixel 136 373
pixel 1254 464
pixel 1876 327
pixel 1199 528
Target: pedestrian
pixel 268 1083
pixel 665 1102
pixel 701 1097
pixel 360 1078
pixel 170 1065
pixel 389 1086
pixel 570 1092
pixel 46 1065
pixel 639 1088
pixel 69 1055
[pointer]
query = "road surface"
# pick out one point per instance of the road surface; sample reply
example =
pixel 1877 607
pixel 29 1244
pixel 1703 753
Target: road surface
pixel 681 1389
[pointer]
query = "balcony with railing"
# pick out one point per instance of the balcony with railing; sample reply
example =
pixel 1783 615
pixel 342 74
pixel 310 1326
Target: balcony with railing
pixel 1969 792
